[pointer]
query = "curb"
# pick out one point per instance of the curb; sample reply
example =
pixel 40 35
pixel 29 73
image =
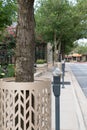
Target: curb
pixel 38 74
pixel 80 101
pixel 40 69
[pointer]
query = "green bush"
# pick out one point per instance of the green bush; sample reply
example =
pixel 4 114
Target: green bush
pixel 40 61
pixel 2 74
pixel 7 71
pixel 10 70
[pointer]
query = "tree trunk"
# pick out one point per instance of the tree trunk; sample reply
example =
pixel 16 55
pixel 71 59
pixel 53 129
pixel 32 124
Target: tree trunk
pixel 55 48
pixel 25 45
pixel 63 50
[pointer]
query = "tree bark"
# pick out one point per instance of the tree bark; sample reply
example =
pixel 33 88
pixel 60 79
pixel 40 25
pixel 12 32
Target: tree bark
pixel 25 45
pixel 63 50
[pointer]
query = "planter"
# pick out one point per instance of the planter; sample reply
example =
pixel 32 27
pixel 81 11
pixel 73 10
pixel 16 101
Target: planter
pixel 25 106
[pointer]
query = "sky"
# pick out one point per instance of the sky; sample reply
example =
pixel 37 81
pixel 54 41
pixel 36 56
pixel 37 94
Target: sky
pixel 73 1
pixel 82 40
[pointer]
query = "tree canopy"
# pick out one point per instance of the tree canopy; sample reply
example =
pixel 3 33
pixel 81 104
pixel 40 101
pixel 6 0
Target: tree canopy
pixel 57 21
pixel 61 21
pixel 80 47
pixel 8 12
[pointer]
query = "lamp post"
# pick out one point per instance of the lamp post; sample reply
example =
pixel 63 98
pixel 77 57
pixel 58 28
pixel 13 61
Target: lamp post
pixel 56 90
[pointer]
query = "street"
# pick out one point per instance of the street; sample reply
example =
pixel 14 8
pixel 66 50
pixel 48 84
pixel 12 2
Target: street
pixel 80 72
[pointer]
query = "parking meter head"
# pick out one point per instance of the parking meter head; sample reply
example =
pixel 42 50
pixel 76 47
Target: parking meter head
pixel 63 61
pixel 57 72
pixel 56 82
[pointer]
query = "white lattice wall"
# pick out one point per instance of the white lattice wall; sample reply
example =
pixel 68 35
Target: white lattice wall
pixel 25 106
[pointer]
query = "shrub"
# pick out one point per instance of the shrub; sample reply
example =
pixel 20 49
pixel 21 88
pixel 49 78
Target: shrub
pixel 2 74
pixel 40 61
pixel 7 71
pixel 11 70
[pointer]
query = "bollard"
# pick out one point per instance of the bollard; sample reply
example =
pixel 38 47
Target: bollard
pixel 56 90
pixel 63 73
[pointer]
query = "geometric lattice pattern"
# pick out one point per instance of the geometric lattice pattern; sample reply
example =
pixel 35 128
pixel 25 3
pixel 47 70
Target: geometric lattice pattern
pixel 43 110
pixel 25 109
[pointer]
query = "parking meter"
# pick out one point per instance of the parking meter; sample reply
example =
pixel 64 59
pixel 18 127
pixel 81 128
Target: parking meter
pixel 63 73
pixel 56 82
pixel 56 90
pixel 63 67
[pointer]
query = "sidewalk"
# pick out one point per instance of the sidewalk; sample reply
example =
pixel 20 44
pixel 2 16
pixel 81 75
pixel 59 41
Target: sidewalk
pixel 71 116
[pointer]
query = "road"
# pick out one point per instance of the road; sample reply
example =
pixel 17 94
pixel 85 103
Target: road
pixel 80 72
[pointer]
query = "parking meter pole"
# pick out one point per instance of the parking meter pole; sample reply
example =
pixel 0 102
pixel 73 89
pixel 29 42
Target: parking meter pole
pixel 57 110
pixel 63 73
pixel 56 91
pixel 62 80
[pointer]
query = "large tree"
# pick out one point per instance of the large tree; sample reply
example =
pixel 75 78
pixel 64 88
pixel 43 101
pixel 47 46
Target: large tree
pixel 61 22
pixel 25 41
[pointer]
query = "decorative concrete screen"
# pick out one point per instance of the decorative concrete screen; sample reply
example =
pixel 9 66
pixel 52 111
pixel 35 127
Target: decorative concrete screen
pixel 25 106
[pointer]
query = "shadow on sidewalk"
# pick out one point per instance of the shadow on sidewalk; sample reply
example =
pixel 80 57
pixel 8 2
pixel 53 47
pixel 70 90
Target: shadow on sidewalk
pixel 67 83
